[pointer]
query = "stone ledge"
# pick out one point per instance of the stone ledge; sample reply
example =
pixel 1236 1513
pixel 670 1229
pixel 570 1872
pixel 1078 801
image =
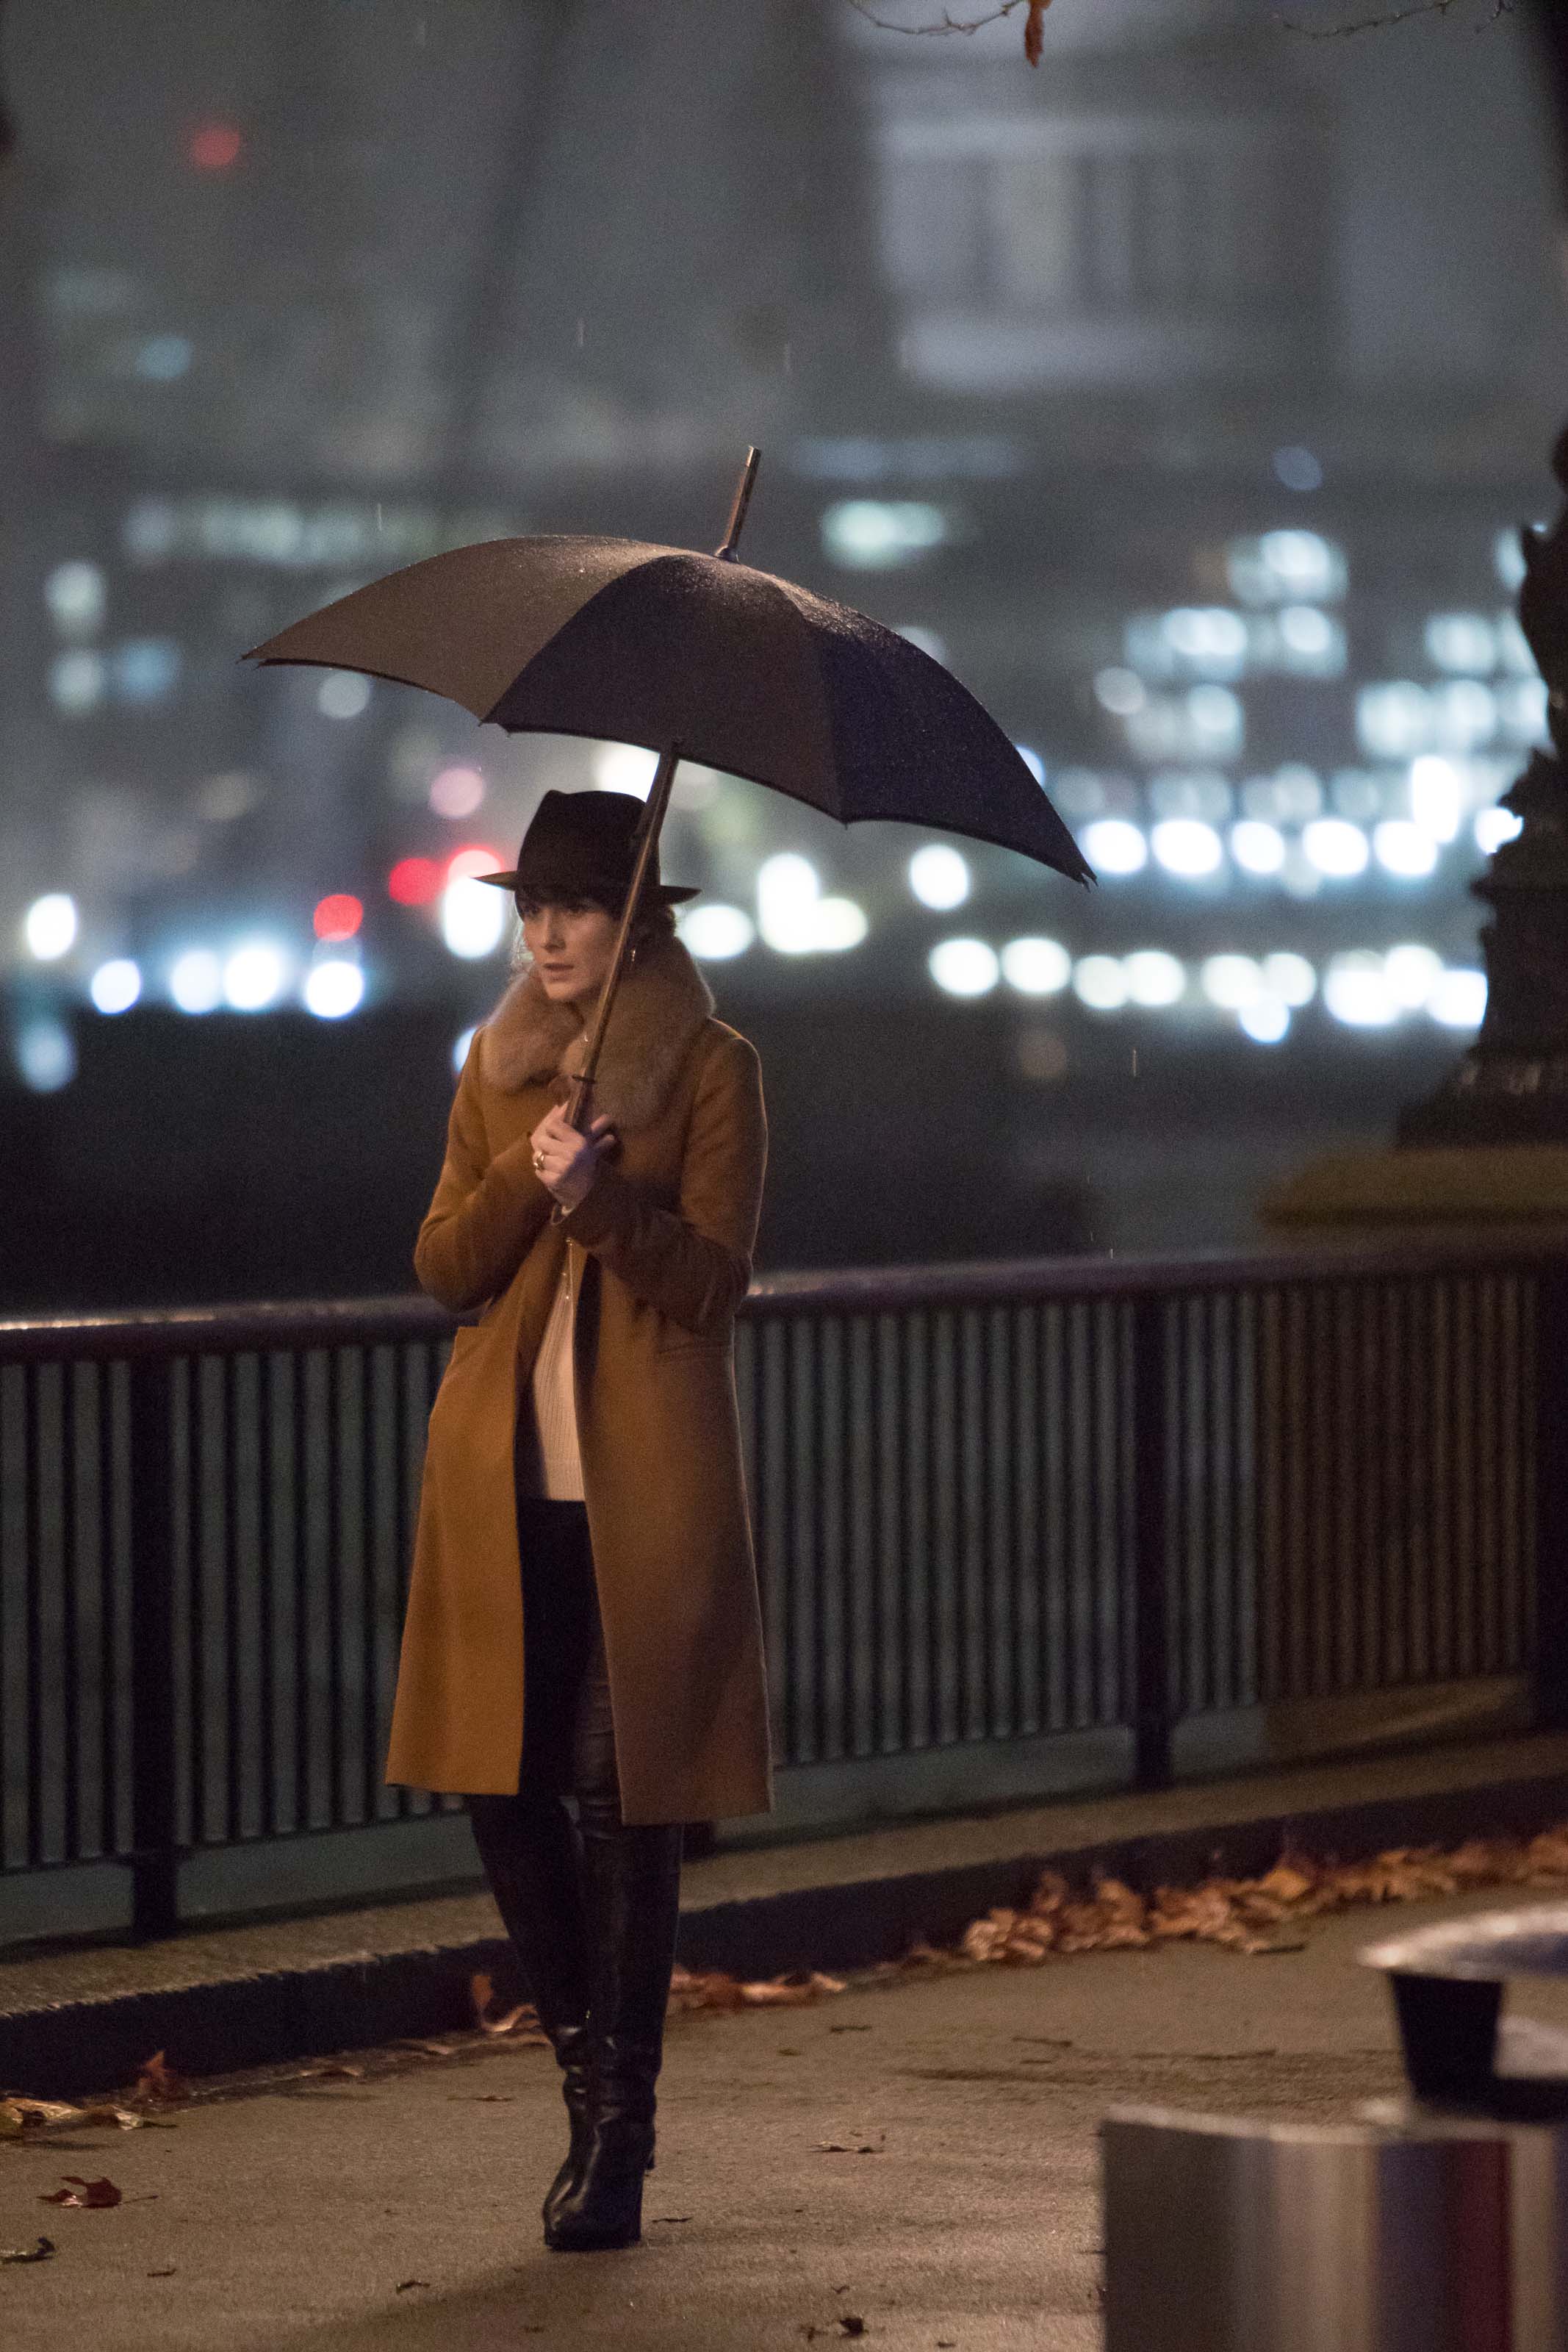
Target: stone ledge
pixel 1470 1185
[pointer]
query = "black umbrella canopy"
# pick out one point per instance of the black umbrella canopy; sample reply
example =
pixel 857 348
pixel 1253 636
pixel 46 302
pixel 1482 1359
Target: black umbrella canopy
pixel 624 640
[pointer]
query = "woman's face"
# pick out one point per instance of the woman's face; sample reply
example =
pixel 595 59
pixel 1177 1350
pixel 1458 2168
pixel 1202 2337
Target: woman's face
pixel 572 944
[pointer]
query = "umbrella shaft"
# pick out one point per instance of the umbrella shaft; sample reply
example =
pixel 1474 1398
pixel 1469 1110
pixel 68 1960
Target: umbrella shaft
pixel 580 1106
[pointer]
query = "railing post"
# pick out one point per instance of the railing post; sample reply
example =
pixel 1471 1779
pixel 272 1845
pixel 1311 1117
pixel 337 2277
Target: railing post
pixel 1551 1433
pixel 155 1857
pixel 1151 1605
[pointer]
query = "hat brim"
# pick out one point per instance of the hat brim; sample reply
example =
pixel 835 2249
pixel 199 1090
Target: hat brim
pixel 666 894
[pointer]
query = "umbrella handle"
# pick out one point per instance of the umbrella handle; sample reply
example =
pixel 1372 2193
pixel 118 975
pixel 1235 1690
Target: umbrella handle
pixel 747 482
pixel 578 1108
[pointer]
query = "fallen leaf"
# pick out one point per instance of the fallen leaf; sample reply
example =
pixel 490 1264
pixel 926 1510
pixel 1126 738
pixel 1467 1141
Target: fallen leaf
pixel 38 2112
pixel 672 2217
pixel 39 2253
pixel 484 2098
pixel 403 2284
pixel 849 2029
pixel 96 2194
pixel 335 2070
pixel 1034 30
pixel 158 2083
pixel 848 2148
pixel 123 2118
pixel 165 2273
pixel 431 2049
pixel 521 2017
pixel 851 2324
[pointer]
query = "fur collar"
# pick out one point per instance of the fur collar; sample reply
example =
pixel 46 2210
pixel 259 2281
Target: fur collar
pixel 662 1004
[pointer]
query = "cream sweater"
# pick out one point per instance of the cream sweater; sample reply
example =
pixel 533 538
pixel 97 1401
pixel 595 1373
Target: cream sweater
pixel 556 1466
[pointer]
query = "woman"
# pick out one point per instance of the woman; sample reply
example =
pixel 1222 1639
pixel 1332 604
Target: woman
pixel 582 1618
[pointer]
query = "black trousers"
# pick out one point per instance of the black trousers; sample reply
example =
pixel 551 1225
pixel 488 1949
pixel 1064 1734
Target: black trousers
pixel 569 1737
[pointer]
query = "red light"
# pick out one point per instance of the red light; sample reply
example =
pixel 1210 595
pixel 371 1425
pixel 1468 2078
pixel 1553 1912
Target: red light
pixel 472 860
pixel 214 146
pixel 414 881
pixel 339 917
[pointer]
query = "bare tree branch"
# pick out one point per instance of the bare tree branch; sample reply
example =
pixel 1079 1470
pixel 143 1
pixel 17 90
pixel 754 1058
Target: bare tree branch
pixel 1394 16
pixel 947 23
pixel 950 24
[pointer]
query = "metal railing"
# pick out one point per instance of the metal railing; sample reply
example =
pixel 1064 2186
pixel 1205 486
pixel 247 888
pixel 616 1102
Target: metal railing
pixel 992 1503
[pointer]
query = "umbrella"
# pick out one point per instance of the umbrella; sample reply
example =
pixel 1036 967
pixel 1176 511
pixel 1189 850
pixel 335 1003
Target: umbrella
pixel 697 656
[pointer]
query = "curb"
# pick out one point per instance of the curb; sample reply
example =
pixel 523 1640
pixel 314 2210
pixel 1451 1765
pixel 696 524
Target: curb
pixel 69 2049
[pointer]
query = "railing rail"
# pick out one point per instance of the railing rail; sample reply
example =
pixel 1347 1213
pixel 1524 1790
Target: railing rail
pixel 994 1504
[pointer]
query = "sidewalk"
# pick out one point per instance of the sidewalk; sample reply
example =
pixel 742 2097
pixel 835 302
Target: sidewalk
pixel 398 2212
pixel 81 2021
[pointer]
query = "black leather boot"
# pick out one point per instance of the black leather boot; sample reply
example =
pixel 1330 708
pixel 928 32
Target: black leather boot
pixel 529 1850
pixel 631 1882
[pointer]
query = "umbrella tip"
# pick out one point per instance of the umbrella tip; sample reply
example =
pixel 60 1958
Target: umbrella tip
pixel 726 554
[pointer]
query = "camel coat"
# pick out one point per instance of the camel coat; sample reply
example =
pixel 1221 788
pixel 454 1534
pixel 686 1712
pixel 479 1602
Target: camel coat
pixel 664 1243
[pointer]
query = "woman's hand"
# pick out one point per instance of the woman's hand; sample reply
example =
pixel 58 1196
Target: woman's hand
pixel 566 1162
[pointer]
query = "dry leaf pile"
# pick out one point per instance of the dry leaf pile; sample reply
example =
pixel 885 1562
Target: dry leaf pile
pixel 1246 1915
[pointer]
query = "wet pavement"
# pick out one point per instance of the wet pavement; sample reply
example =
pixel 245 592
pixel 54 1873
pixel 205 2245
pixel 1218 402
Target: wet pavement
pixel 916 2154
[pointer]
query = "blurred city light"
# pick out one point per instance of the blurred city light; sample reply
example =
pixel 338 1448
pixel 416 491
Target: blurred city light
pixel 456 792
pixel 964 967
pixel 1335 848
pixel 1436 796
pixel 49 926
pixel 116 985
pixel 473 915
pixel 1112 846
pixel 472 860
pixel 625 767
pixel 1285 567
pixel 1155 978
pixel 46 1053
pixel 77 681
pixel 1289 977
pixel 1412 971
pixel 1493 826
pixel 1231 980
pixel 879 534
pixel 1457 998
pixel 1297 468
pixel 716 931
pixel 1265 1019
pixel 788 890
pixel 214 146
pixel 76 598
pixel 1256 847
pixel 342 694
pixel 1100 983
pixel 1186 848
pixel 939 876
pixel 334 987
pixel 195 981
pixel 1403 848
pixel 1356 991
pixel 1462 641
pixel 1036 967
pixel 337 916
pixel 253 976
pixel 415 881
pixel 839 923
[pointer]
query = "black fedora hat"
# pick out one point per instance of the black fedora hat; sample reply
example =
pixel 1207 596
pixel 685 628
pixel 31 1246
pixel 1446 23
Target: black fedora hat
pixel 584 845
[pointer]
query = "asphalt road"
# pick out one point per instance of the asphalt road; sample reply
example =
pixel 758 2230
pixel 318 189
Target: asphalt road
pixel 398 2212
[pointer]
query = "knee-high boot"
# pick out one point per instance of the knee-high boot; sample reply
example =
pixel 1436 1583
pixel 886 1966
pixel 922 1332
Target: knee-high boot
pixel 631 1891
pixel 528 1849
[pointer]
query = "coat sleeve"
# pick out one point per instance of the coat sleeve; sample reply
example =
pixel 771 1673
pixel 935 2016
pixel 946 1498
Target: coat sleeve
pixel 693 1264
pixel 487 1209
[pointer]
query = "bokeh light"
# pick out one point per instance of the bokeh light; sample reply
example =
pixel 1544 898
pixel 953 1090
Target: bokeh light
pixel 49 926
pixel 415 881
pixel 116 985
pixel 456 792
pixel 964 967
pixel 334 987
pixel 337 916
